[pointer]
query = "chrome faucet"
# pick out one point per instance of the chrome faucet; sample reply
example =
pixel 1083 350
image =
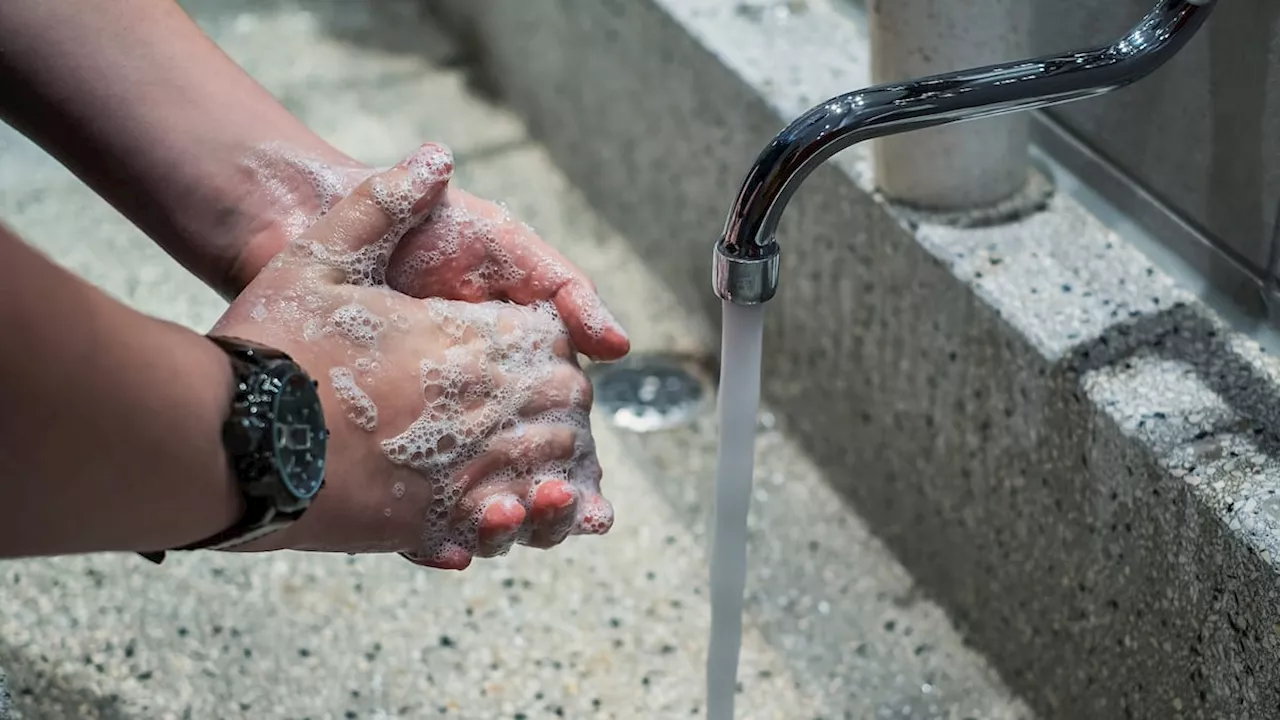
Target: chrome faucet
pixel 746 262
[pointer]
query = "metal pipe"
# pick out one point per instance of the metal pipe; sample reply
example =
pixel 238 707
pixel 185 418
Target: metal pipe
pixel 746 258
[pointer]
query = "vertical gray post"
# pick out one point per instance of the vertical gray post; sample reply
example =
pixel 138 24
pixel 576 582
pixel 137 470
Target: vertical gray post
pixel 966 166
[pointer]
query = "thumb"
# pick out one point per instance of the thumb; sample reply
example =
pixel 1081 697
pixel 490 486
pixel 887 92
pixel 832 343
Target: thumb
pixel 358 234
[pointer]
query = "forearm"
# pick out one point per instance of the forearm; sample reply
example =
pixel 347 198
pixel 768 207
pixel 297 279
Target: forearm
pixel 110 430
pixel 136 100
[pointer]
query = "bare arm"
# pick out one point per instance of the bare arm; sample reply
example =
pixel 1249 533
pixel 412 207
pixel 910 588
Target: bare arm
pixel 110 429
pixel 150 113
pixel 136 100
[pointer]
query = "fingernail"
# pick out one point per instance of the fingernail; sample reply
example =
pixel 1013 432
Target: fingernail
pixel 553 496
pixel 501 522
pixel 596 518
pixel 430 166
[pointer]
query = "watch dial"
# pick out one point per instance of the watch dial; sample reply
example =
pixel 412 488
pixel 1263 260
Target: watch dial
pixel 300 436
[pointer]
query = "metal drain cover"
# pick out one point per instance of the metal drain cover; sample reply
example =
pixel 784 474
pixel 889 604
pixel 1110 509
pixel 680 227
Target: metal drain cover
pixel 647 393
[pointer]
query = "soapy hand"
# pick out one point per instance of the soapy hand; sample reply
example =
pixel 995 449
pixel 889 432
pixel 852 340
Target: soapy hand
pixel 468 249
pixel 459 427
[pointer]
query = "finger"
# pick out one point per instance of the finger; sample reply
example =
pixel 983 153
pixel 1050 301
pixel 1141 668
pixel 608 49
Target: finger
pixel 596 517
pixel 386 199
pixel 472 250
pixel 555 509
pixel 501 521
pixel 591 325
pixel 449 557
pixel 568 388
pixel 532 328
pixel 521 449
pixel 449 255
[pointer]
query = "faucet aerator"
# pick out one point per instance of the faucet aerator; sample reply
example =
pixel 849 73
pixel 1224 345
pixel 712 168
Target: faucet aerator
pixel 746 278
pixel 746 260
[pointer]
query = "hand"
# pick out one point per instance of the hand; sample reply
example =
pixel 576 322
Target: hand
pixel 458 428
pixel 469 249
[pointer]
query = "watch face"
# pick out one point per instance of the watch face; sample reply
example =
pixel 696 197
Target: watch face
pixel 300 435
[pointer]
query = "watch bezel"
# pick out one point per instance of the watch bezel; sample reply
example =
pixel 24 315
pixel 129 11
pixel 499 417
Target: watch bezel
pixel 254 431
pixel 253 425
pixel 250 437
pixel 311 389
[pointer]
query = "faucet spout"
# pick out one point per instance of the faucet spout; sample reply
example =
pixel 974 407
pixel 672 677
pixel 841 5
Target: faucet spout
pixel 746 259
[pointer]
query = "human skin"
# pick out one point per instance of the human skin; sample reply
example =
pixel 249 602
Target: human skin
pixel 148 111
pixel 137 101
pixel 110 459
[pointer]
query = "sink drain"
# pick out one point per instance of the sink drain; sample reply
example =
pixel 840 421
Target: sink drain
pixel 646 393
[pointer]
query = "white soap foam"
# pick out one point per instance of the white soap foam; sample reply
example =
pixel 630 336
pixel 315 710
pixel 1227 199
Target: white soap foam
pixel 477 517
pixel 367 266
pixel 357 324
pixel 298 189
pixel 456 232
pixel 596 319
pixel 303 188
pixel 471 400
pixel 462 404
pixel 359 406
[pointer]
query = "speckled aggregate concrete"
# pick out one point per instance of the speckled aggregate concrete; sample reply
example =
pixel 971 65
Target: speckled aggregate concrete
pixel 1064 446
pixel 6 702
pixel 609 627
pixel 964 166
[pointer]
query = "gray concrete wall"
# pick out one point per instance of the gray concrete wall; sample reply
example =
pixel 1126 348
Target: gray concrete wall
pixel 604 627
pixel 1067 451
pixel 1204 134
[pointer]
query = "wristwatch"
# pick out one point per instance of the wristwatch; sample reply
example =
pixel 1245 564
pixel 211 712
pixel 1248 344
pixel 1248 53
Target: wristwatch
pixel 275 438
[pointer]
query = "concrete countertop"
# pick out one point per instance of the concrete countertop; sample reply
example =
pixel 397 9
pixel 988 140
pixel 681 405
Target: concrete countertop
pixel 611 627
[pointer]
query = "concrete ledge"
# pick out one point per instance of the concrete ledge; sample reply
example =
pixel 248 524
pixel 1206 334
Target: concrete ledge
pixel 6 707
pixel 1068 450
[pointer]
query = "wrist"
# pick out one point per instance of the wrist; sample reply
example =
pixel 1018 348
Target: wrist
pixel 204 499
pixel 271 194
pixel 275 444
pixel 111 430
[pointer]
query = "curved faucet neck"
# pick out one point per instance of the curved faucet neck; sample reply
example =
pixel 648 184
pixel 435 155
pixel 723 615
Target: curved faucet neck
pixel 746 269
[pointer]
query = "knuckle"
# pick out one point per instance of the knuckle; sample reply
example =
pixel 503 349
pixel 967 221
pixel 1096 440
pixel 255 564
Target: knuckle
pixel 586 391
pixel 573 387
pixel 561 442
pixel 537 444
pixel 562 347
pixel 369 194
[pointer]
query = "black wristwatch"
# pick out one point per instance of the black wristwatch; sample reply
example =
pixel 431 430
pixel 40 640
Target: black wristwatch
pixel 275 437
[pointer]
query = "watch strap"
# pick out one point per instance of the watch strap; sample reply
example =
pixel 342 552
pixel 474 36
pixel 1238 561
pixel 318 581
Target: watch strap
pixel 261 516
pixel 259 520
